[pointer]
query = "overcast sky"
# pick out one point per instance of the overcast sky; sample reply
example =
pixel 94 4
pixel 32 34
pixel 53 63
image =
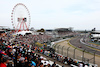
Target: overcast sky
pixel 50 14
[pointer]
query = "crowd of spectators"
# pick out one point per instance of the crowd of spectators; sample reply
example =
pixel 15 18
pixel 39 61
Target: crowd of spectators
pixel 20 51
pixel 15 51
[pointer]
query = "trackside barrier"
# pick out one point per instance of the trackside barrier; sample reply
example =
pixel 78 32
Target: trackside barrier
pixel 52 43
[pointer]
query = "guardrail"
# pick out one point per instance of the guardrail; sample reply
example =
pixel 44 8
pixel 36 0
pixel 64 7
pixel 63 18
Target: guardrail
pixel 90 45
pixel 52 43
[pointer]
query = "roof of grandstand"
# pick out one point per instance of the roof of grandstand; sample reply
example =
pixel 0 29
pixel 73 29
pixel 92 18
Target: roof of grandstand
pixel 63 29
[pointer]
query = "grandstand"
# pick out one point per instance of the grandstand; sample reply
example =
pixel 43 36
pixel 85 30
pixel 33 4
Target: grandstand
pixel 52 33
pixel 64 31
pixel 3 29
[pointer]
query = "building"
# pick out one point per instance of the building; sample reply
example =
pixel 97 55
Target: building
pixel 95 36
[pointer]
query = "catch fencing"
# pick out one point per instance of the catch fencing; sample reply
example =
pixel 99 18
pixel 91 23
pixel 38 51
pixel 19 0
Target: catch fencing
pixel 74 53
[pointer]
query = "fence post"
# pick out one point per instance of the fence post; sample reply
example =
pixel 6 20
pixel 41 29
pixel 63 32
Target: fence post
pixel 62 50
pixel 94 57
pixel 67 51
pixel 55 47
pixel 74 53
pixel 58 48
pixel 83 55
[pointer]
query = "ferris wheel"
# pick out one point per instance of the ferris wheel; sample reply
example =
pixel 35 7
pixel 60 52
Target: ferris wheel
pixel 20 17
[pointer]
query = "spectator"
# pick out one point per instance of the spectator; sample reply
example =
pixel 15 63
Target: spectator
pixel 41 65
pixel 45 65
pixel 54 64
pixel 1 57
pixel 21 62
pixel 5 61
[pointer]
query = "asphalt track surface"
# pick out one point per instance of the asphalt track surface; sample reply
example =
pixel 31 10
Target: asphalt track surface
pixel 76 42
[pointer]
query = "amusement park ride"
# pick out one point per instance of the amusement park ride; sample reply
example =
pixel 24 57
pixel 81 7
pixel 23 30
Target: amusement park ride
pixel 20 18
